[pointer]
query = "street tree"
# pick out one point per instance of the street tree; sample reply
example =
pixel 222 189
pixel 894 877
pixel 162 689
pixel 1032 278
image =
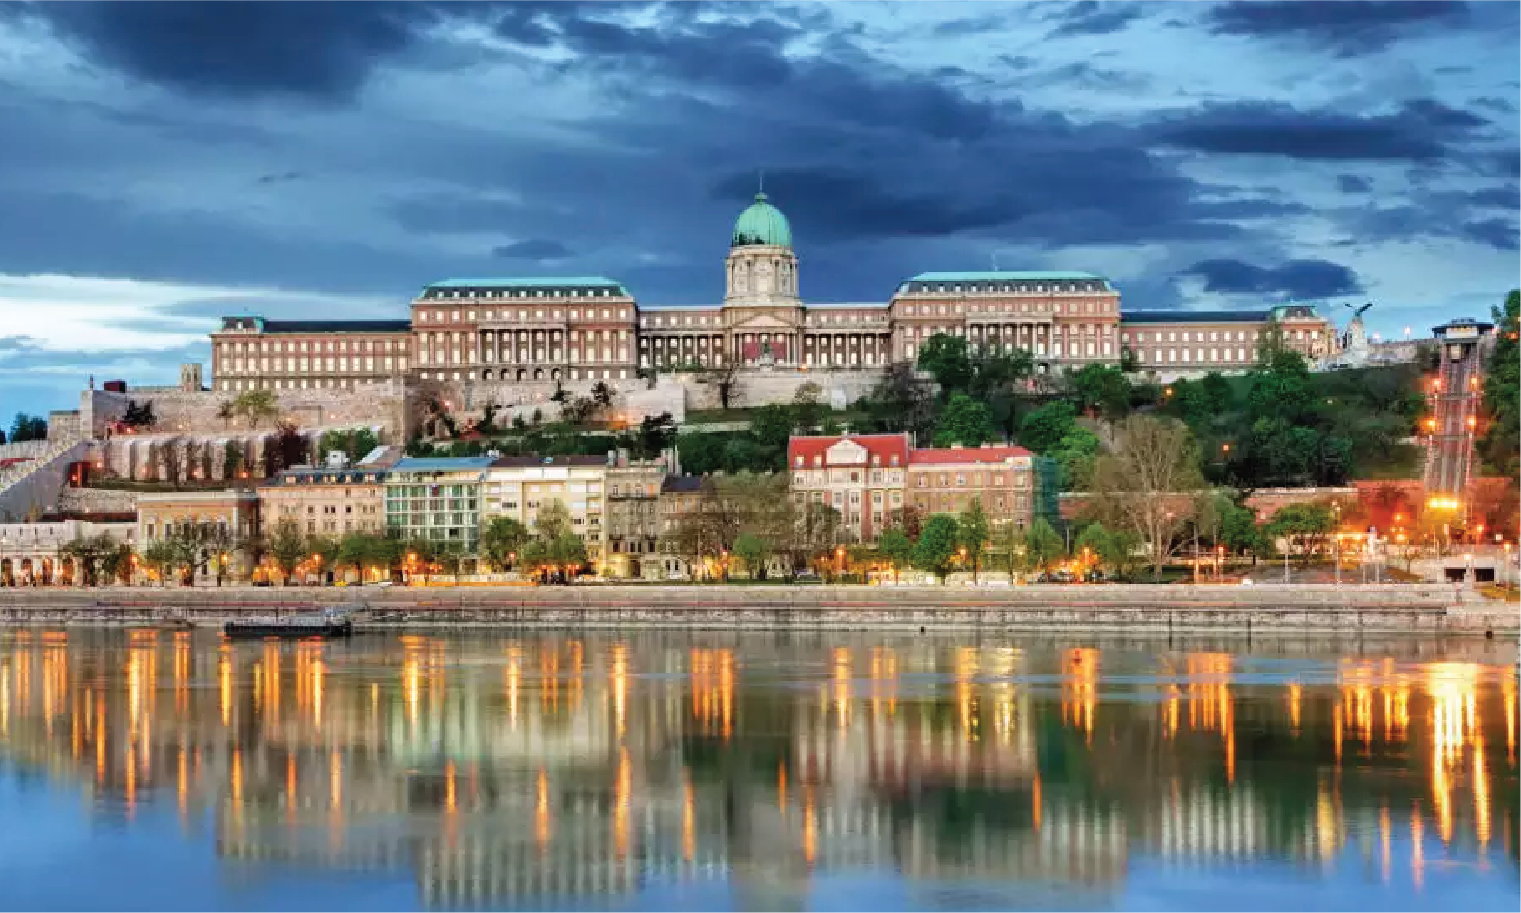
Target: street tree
pixel 501 539
pixel 1145 483
pixel 287 546
pixel 1042 545
pixel 936 549
pixel 973 528
pixel 754 550
pixel 896 548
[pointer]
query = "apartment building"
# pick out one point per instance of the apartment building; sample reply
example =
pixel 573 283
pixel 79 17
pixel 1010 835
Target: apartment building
pixel 437 499
pixel 945 480
pixel 326 502
pixel 860 476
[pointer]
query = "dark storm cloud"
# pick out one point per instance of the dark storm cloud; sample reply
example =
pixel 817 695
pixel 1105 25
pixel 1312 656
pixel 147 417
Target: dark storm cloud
pixel 1346 28
pixel 449 215
pixel 1494 103
pixel 539 250
pixel 1507 197
pixel 1421 130
pixel 1501 234
pixel 1353 183
pixel 1089 17
pixel 1299 279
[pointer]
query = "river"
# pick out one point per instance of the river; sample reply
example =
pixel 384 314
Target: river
pixel 144 769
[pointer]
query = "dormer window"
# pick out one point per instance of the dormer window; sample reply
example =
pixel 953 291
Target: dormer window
pixel 818 462
pixel 798 461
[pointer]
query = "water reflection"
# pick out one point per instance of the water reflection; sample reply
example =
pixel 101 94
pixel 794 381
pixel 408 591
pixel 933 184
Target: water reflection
pixel 499 771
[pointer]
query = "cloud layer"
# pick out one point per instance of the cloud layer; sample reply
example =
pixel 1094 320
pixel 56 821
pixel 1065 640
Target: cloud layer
pixel 1199 154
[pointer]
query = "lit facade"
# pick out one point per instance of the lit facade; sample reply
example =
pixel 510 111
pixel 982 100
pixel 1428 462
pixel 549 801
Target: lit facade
pixel 437 499
pixel 861 477
pixel 590 328
pixel 326 502
pixel 947 480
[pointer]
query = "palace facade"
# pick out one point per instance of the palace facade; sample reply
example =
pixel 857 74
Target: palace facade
pixel 588 328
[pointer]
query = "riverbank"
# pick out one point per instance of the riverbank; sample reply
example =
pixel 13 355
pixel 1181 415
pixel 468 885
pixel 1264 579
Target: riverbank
pixel 1137 608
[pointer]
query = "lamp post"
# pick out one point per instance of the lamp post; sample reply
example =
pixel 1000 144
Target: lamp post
pixel 1336 540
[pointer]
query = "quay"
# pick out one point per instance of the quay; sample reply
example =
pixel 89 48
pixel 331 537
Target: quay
pixel 1131 608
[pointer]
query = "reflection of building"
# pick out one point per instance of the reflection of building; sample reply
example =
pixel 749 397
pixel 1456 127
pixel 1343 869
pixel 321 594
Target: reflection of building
pixel 557 767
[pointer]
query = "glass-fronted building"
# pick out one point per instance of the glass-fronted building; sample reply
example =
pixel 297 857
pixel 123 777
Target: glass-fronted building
pixel 437 499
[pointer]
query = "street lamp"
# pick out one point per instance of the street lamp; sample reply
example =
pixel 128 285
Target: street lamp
pixel 1336 538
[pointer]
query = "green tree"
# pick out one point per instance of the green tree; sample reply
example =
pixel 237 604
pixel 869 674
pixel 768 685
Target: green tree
pixel 90 554
pixel 947 360
pixel 358 549
pixel 1042 545
pixel 326 549
pixel 1308 523
pixel 1241 533
pixel 501 540
pixel 256 406
pixel 936 549
pixel 964 421
pixel 754 551
pixel 1074 454
pixel 1043 429
pixel 28 428
pixel 896 548
pixel 973 528
pixel 1500 447
pixel 160 556
pixel 1145 483
pixel 1100 390
pixel 287 545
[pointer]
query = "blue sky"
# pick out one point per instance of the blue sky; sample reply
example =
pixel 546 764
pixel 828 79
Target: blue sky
pixel 163 164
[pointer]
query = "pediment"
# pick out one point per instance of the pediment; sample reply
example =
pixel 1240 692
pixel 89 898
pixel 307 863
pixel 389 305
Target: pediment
pixel 845 453
pixel 764 322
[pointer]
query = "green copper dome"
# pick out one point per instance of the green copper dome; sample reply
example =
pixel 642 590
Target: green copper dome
pixel 761 223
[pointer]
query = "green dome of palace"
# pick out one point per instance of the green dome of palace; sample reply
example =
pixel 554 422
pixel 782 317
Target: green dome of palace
pixel 761 223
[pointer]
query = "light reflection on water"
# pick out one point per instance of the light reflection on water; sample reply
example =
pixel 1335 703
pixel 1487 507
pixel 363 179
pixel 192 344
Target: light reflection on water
pixel 756 771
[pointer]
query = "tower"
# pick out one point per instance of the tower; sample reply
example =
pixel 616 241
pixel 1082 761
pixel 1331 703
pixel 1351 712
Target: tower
pixel 761 268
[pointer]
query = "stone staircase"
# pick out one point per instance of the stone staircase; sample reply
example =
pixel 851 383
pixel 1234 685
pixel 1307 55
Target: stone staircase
pixel 32 486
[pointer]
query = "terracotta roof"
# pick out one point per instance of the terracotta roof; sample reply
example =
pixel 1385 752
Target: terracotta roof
pixel 944 455
pixel 884 446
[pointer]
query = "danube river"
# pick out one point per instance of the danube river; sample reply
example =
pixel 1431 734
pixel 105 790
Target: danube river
pixel 168 770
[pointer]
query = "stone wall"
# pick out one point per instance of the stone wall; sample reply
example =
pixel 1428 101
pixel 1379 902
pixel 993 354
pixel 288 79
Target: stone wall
pixel 65 426
pixel 194 412
pixel 96 501
pixel 35 492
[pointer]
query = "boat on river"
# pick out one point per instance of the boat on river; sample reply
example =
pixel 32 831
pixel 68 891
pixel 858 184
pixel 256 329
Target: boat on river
pixel 332 622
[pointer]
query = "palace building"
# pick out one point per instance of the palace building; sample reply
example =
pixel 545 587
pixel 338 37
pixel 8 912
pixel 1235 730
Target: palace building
pixel 590 328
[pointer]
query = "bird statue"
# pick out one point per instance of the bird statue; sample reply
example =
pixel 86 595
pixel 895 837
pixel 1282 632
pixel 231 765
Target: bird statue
pixel 1358 311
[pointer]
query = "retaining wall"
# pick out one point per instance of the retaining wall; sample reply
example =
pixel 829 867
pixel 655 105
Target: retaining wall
pixel 1393 609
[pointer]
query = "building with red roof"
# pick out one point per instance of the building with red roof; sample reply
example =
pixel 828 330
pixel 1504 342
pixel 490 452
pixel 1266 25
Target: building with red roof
pixel 871 478
pixel 860 476
pixel 944 480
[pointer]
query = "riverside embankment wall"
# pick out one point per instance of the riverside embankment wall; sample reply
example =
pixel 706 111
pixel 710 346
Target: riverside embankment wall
pixel 1139 609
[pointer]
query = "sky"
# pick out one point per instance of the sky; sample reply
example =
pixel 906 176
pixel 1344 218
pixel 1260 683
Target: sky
pixel 162 165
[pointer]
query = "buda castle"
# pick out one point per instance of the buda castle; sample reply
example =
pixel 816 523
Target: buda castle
pixel 589 328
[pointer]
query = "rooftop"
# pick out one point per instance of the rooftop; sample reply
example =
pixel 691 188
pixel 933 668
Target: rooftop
pixel 527 461
pixel 1007 276
pixel 337 326
pixel 442 464
pixel 1195 316
pixel 681 483
pixel 889 449
pixel 994 453
pixel 323 476
pixel 525 282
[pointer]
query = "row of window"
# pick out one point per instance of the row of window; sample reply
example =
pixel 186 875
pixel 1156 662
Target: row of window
pixel 515 293
pixel 303 346
pixel 518 356
pixel 941 309
pixel 369 364
pixel 315 383
pixel 470 316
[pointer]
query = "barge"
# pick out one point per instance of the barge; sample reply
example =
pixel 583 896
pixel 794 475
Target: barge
pixel 328 623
